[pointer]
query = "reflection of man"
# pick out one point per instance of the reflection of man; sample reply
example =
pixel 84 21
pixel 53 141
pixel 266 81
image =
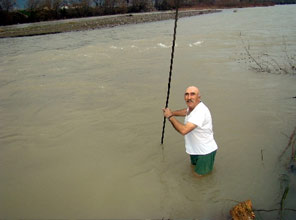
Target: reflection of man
pixel 197 129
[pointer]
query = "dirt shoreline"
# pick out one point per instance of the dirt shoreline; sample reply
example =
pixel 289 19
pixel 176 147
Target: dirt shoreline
pixel 53 27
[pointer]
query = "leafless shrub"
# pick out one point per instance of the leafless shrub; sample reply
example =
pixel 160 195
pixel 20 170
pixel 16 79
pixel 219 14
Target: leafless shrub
pixel 7 5
pixel 283 62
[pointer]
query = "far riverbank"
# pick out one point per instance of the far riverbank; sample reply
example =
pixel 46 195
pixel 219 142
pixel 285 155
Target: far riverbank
pixel 53 27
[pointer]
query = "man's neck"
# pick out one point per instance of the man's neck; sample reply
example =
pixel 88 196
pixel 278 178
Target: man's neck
pixel 189 110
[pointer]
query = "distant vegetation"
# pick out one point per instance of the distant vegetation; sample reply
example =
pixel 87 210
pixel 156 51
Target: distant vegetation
pixel 45 10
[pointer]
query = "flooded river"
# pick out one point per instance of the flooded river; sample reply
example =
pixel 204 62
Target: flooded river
pixel 81 119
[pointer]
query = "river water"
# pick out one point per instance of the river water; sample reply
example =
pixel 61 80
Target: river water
pixel 81 119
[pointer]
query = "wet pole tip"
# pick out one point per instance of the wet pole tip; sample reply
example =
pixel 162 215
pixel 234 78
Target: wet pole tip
pixel 163 128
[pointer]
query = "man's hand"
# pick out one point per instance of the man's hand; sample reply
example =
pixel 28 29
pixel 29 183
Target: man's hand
pixel 167 112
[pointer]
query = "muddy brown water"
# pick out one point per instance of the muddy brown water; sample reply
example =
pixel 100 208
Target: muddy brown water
pixel 81 119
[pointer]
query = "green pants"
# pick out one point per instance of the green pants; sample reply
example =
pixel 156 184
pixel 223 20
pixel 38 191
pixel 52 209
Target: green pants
pixel 203 163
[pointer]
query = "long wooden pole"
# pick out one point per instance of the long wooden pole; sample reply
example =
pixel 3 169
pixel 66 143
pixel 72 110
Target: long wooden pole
pixel 171 68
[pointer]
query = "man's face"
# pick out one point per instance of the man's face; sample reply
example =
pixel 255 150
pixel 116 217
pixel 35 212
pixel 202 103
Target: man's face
pixel 192 97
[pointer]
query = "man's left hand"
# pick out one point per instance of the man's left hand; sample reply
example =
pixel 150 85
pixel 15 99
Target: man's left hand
pixel 167 112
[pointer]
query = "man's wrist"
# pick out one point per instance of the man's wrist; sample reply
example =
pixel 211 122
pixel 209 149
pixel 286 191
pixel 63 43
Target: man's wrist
pixel 170 117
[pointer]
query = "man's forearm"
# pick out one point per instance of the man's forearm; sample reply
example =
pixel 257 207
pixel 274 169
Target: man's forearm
pixel 181 128
pixel 177 125
pixel 181 112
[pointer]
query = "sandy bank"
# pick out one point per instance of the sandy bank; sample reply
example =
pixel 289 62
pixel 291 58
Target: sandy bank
pixel 53 27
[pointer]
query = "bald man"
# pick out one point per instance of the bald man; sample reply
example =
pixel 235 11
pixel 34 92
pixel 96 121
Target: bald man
pixel 197 130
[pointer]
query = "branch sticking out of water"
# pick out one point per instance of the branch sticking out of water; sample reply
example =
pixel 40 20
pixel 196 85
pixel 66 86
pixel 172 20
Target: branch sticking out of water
pixel 284 196
pixel 291 143
pixel 247 50
pixel 283 63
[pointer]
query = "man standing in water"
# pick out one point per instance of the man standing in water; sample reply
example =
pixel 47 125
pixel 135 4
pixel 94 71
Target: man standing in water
pixel 197 129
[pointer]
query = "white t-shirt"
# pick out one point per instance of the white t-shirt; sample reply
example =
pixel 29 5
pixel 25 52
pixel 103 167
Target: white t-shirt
pixel 200 141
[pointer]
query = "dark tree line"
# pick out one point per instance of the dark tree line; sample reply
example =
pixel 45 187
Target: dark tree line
pixel 44 10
